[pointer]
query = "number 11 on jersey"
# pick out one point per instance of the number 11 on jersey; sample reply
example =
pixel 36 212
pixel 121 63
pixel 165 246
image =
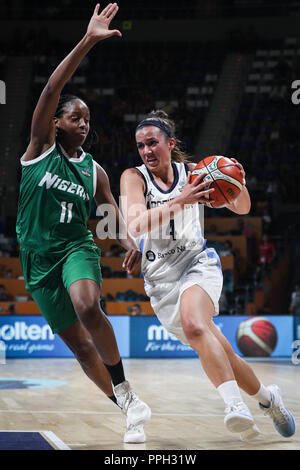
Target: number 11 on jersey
pixel 66 212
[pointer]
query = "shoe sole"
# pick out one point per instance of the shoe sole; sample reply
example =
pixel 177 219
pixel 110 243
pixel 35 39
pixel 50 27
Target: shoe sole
pixel 238 423
pixel 250 433
pixel 291 425
pixel 132 440
pixel 143 418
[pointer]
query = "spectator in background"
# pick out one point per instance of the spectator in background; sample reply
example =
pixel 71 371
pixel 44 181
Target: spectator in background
pixel 266 255
pixel 295 301
pixel 266 251
pixel 11 310
pixel 115 251
pixel 8 274
pixel 244 228
pixel 4 297
pixel 136 310
pixel 228 250
pixel 212 230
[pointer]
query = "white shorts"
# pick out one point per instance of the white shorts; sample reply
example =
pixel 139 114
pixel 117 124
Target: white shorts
pixel 205 271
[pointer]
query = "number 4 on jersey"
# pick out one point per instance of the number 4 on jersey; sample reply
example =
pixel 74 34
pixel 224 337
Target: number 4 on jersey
pixel 66 212
pixel 172 229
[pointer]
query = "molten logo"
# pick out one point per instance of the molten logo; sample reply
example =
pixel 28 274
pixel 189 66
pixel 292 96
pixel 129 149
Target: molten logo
pixel 21 331
pixel 2 92
pixel 159 333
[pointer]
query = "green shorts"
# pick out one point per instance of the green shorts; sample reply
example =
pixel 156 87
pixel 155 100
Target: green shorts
pixel 48 280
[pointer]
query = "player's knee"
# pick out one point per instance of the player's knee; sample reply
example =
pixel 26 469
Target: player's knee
pixel 194 330
pixel 89 312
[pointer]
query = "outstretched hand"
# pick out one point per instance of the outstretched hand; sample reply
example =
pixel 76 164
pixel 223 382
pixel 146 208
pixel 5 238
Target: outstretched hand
pixel 98 27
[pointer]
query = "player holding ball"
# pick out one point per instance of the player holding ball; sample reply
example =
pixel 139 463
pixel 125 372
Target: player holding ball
pixel 183 278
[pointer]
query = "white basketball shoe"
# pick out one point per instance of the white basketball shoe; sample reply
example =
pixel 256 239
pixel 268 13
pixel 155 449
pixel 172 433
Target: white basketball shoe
pixel 283 420
pixel 137 412
pixel 238 417
pixel 250 433
pixel 135 434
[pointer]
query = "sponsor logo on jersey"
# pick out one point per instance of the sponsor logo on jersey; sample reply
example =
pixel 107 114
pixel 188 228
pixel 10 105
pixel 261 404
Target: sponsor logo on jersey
pixel 85 172
pixel 150 193
pixel 150 255
pixel 177 249
pixel 54 181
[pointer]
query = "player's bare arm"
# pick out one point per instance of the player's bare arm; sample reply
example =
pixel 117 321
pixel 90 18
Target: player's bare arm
pixel 141 220
pixel 43 127
pixel 242 204
pixel 104 195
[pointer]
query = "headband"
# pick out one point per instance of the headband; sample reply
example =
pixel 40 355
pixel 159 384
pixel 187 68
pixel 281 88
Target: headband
pixel 157 122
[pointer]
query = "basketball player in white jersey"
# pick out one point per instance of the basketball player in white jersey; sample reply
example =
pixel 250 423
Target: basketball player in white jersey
pixel 183 277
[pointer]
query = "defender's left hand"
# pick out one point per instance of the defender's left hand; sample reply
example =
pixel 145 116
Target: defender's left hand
pixel 131 260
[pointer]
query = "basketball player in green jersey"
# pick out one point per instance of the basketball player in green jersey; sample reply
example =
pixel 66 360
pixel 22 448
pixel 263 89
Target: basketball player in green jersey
pixel 59 258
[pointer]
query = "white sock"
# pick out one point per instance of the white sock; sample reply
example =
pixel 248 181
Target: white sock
pixel 230 392
pixel 263 396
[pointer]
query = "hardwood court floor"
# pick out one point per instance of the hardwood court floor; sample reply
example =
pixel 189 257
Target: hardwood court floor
pixel 187 412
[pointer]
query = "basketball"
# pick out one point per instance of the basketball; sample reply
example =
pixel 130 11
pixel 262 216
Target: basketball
pixel 256 337
pixel 222 175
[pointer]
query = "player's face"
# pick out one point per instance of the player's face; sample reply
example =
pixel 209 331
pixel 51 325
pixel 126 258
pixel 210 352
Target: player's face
pixel 154 148
pixel 74 124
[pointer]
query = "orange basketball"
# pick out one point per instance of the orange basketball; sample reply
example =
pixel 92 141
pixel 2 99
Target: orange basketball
pixel 223 175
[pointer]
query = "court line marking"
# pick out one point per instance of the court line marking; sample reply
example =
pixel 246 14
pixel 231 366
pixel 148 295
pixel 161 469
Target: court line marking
pixel 73 445
pixel 116 413
pixel 49 434
pixel 55 440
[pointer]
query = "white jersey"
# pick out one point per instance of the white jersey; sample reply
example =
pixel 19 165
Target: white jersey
pixel 169 248
pixel 175 256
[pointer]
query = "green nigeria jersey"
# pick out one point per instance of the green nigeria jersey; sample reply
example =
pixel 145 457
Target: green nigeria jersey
pixel 55 199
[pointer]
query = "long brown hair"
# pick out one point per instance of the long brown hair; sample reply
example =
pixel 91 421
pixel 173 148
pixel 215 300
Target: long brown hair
pixel 177 154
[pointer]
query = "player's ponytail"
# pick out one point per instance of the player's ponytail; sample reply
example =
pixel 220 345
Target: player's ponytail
pixel 177 154
pixel 92 138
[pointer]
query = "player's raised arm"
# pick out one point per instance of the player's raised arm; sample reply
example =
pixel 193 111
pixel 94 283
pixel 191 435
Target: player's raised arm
pixel 42 126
